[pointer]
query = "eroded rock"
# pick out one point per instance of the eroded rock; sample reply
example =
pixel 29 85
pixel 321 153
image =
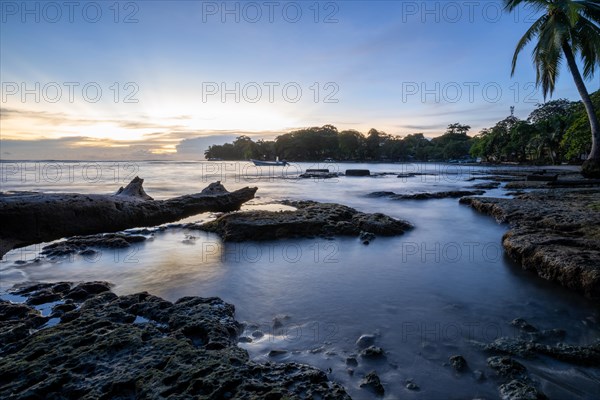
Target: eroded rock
pixel 185 349
pixel 309 220
pixel 372 382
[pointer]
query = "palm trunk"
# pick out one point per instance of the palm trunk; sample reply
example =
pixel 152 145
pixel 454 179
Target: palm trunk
pixel 587 102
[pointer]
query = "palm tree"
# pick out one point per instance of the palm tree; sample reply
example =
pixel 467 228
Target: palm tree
pixel 567 28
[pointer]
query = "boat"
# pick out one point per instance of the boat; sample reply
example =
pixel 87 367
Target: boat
pixel 275 163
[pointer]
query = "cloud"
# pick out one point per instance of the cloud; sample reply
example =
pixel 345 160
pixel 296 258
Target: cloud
pixel 60 118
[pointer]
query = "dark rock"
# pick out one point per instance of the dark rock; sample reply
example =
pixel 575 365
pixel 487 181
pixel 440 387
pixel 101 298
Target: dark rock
pixel 520 390
pixel 371 381
pixel 245 339
pixel 257 334
pixel 486 185
pixel 506 367
pixel 437 195
pixel 43 296
pixel 428 195
pixel 60 309
pixel 365 341
pixel 458 363
pixel 523 325
pixel 187 349
pixel 87 289
pixel 319 173
pixel 358 172
pixel 410 385
pixel 513 346
pixel 278 322
pixel 580 355
pixel 542 178
pixel 309 220
pixel 372 352
pixel 277 352
pixel 83 244
pixel 366 237
pixel 381 194
pixel 351 361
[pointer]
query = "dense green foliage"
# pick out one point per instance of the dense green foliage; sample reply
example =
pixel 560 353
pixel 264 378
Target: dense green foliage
pixel 555 132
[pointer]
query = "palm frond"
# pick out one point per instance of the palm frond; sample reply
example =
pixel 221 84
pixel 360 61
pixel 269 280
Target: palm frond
pixel 588 46
pixel 538 5
pixel 529 35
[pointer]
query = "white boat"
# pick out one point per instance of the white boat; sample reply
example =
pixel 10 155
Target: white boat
pixel 276 163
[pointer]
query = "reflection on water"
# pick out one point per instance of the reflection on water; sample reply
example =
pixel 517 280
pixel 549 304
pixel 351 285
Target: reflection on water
pixel 425 295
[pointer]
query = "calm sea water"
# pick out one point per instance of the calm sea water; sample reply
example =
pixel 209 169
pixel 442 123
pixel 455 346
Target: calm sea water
pixel 426 295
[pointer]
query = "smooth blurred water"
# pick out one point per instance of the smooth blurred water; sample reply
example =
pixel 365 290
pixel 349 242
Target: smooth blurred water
pixel 426 294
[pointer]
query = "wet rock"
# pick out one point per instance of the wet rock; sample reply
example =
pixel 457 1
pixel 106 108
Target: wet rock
pixel 458 363
pixel 358 172
pixel 277 352
pixel 279 321
pixel 381 194
pixel 372 382
pixel 365 341
pixel 528 348
pixel 553 233
pixel 523 325
pixel 506 367
pixel 43 296
pixel 60 309
pixel 410 385
pixel 186 349
pixel 352 361
pixel 245 339
pixel 318 174
pixel 257 334
pixel 87 289
pixel 366 237
pixel 581 355
pixel 428 195
pixel 520 390
pixel 373 352
pixel 513 346
pixel 310 219
pixel 83 244
pixel 486 185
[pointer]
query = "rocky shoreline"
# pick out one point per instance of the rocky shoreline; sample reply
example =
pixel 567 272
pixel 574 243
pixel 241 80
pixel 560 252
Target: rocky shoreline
pixel 67 340
pixel 554 233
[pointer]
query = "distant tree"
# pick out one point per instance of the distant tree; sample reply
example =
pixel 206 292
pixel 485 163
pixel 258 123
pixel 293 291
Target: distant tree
pixel 351 145
pixel 551 121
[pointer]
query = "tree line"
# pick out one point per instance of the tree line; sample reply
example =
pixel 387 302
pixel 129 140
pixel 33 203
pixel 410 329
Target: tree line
pixel 555 132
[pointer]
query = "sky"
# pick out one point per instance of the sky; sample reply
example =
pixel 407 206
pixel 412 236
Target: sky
pixel 134 80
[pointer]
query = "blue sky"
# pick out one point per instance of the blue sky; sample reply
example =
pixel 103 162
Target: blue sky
pixel 162 68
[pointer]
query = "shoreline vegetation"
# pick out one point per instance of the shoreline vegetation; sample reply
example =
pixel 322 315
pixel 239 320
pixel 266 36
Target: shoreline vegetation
pixel 554 132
